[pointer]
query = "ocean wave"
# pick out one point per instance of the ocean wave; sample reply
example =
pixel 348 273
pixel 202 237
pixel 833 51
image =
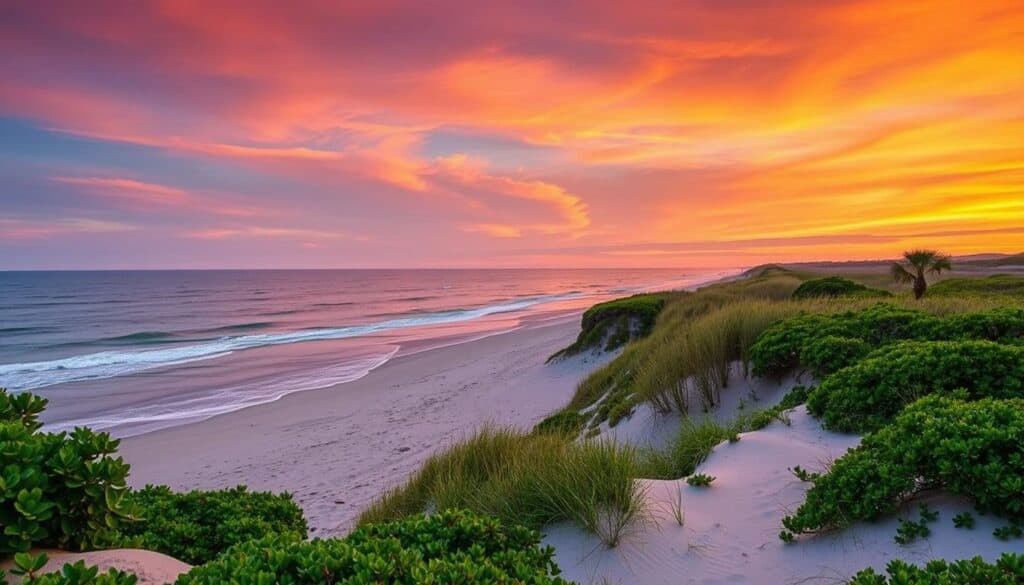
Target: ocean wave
pixel 172 412
pixel 140 337
pixel 109 364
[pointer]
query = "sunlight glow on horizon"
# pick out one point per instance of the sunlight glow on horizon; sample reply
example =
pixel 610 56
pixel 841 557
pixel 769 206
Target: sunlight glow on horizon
pixel 226 134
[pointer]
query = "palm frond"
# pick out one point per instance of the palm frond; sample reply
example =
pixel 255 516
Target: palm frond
pixel 920 259
pixel 901 274
pixel 939 263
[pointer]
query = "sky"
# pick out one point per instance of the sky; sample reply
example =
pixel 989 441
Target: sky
pixel 725 133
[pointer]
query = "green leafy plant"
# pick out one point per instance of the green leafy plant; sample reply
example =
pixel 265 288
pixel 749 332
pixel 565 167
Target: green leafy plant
pixel 804 475
pixel 1009 532
pixel 833 353
pixel 835 286
pixel 868 394
pixel 197 526
pixel 448 547
pixel 910 530
pixel 63 490
pixel 781 347
pixel 974 449
pixel 964 520
pixel 1008 570
pixel 700 480
pixel 27 567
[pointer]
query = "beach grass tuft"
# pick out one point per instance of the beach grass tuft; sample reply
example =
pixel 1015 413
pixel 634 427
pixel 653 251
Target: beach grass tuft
pixel 530 479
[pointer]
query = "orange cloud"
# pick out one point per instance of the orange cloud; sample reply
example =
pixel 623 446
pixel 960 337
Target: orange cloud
pixel 874 122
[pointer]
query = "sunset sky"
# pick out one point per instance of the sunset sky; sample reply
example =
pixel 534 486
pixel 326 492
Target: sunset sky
pixel 423 134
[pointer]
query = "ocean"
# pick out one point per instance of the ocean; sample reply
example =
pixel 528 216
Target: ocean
pixel 138 351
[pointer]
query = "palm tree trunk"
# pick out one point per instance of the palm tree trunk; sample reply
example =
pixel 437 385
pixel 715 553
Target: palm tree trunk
pixel 920 285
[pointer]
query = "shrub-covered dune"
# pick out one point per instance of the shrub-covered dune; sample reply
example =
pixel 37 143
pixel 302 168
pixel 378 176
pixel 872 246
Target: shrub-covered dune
pixel 869 393
pixel 612 324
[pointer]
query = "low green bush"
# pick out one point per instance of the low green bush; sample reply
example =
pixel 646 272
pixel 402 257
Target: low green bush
pixel 1008 570
pixel 27 568
pixel 448 547
pixel 62 490
pixel 835 286
pixel 197 526
pixel 832 353
pixel 781 348
pixel 970 448
pixel 69 491
pixel 870 393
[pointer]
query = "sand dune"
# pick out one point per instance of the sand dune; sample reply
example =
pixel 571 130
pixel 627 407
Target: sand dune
pixel 730 532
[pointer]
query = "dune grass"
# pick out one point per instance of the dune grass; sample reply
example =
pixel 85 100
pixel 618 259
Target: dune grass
pixel 532 480
pixel 652 368
pixel 996 284
pixel 548 476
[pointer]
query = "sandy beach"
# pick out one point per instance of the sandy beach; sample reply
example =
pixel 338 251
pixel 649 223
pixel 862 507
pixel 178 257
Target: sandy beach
pixel 338 448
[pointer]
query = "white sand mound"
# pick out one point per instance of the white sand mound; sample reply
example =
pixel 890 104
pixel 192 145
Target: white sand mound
pixel 151 567
pixel 730 532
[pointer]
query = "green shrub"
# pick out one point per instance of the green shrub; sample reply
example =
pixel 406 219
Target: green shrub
pixel 1008 570
pixel 868 394
pixel 974 449
pixel 197 526
pixel 449 547
pixel 63 490
pixel 835 286
pixel 28 566
pixel 533 480
pixel 781 347
pixel 832 353
pixel 700 480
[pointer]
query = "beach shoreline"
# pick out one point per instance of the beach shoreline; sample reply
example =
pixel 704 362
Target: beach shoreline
pixel 338 448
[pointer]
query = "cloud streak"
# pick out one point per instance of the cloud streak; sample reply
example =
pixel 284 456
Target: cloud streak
pixel 496 133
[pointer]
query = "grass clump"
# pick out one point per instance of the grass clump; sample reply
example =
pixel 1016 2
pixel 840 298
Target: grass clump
pixel 564 422
pixel 869 394
pixel 1007 570
pixel 698 437
pixel 534 480
pixel 655 367
pixel 996 284
pixel 448 547
pixel 835 286
pixel 691 447
pixel 973 449
pixel 197 526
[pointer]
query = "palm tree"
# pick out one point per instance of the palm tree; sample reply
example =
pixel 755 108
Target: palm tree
pixel 921 262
